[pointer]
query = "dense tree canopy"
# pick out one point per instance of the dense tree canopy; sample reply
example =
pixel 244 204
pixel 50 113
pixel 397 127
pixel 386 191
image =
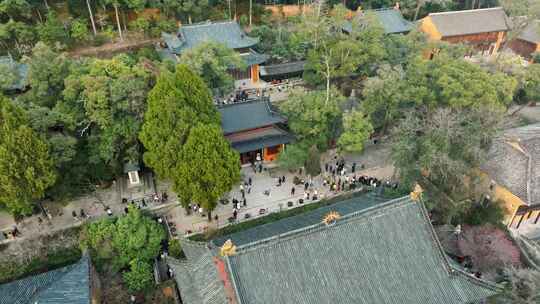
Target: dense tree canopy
pixel 356 131
pixel 211 61
pixel 26 169
pixel 177 102
pixel 312 117
pixel 130 241
pixel 208 167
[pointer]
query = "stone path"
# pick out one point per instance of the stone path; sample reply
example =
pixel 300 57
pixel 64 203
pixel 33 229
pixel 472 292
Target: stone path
pixel 374 159
pixel 257 200
pixel 61 217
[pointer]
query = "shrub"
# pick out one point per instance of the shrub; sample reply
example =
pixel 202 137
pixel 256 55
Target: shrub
pixel 489 248
pixel 100 39
pixel 175 249
pixel 139 277
pixel 479 214
pixel 79 30
pixel 141 25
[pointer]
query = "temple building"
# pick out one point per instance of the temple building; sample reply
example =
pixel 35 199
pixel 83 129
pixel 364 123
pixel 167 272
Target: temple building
pixel 282 71
pixel 228 33
pixel 254 128
pixel 484 29
pixel 528 41
pixel 514 167
pixel 74 284
pixel 357 251
pixel 390 19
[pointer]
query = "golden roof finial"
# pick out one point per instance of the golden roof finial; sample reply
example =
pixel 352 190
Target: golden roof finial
pixel 228 248
pixel 417 193
pixel 331 218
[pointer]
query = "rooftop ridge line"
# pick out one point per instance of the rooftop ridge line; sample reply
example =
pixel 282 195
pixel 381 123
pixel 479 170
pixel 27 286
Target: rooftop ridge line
pixel 394 203
pixel 467 11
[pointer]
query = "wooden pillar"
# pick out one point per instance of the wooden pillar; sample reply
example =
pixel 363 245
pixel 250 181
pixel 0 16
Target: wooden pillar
pixel 254 73
pixel 500 37
pixel 529 214
pixel 512 221
pixel 519 223
pixel 537 217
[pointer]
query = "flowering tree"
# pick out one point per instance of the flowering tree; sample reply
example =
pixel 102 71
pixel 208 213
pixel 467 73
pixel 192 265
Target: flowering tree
pixel 489 248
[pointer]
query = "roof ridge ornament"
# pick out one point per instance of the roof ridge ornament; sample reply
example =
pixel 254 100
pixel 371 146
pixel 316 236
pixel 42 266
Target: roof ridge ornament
pixel 331 218
pixel 416 194
pixel 228 248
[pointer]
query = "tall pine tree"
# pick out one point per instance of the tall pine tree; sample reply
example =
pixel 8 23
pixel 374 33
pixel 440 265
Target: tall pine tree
pixel 26 169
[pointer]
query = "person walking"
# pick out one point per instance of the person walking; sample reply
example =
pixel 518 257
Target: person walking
pixel 292 191
pixel 353 169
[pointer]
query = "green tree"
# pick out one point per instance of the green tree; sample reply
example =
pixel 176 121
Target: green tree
pixel 26 169
pixel 193 9
pixel 15 9
pixel 531 83
pixel 438 150
pixel 17 36
pixel 47 71
pixel 356 130
pixel 383 96
pixel 294 156
pixel 139 277
pixel 114 92
pixel 208 167
pixel 177 102
pixel 332 52
pixel 136 237
pixel 8 77
pixel 313 162
pixel 211 61
pixel 79 30
pixel 312 117
pixel 52 31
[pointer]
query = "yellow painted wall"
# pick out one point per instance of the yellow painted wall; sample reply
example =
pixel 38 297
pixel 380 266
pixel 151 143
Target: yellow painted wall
pixel 511 202
pixel 430 29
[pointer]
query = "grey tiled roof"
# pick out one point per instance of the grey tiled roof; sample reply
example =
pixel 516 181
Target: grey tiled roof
pixel 268 137
pixel 383 255
pixel 253 57
pixel 468 22
pixel 391 20
pixel 225 32
pixel 197 278
pixel 514 162
pixel 67 285
pixel 531 33
pixel 20 69
pixel 248 115
pixel 283 68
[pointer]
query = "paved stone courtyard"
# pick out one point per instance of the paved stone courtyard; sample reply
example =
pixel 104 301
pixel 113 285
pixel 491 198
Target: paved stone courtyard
pixel 375 161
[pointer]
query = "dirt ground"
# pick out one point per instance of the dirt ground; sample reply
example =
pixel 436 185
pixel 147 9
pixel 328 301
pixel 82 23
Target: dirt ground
pixel 131 41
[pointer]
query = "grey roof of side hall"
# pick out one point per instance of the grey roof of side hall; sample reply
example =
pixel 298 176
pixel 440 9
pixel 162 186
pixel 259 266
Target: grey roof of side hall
pixel 531 33
pixel 226 32
pixel 66 285
pixel 390 19
pixel 467 22
pixel 514 162
pixel 282 68
pixel 243 116
pixel 197 277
